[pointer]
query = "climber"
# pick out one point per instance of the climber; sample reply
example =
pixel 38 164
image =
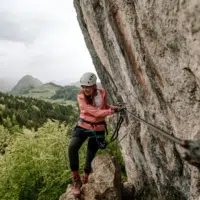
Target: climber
pixel 93 110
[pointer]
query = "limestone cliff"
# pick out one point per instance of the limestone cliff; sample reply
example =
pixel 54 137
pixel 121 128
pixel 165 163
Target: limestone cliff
pixel 147 55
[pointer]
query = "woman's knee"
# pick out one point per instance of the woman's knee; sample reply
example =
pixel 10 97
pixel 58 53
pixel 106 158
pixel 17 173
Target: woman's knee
pixel 75 144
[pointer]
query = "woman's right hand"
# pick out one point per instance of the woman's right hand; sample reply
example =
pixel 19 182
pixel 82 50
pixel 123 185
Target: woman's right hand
pixel 119 109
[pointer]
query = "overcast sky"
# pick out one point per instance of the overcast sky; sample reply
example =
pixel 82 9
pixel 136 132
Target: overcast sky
pixel 42 38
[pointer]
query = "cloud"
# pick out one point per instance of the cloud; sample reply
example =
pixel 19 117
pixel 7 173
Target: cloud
pixel 24 20
pixel 42 38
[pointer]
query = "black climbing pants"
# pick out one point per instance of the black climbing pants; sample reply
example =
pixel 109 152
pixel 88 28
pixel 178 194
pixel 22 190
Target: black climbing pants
pixel 79 136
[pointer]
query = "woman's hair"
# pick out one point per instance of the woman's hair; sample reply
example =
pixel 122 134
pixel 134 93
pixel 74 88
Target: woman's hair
pixel 89 99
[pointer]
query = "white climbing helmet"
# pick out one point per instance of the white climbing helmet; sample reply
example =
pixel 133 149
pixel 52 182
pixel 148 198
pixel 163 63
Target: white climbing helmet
pixel 88 79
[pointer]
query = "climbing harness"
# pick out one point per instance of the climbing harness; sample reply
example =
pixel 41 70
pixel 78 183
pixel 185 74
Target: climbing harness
pixel 101 141
pixel 95 124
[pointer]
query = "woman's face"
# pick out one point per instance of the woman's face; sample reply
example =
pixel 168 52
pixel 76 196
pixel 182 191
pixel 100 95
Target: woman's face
pixel 88 90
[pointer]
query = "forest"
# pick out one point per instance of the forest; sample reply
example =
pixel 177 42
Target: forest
pixel 66 93
pixel 18 111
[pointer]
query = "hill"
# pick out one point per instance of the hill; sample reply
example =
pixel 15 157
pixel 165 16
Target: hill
pixel 66 93
pixel 25 84
pixel 44 91
pixel 54 93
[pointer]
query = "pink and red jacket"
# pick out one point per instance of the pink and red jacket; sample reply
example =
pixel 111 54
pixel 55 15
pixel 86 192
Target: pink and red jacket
pixel 92 114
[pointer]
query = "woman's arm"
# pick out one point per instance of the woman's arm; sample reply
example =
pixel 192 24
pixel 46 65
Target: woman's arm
pixel 89 109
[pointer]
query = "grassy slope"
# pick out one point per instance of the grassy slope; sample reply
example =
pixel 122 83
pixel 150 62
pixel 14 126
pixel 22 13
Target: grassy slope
pixel 45 92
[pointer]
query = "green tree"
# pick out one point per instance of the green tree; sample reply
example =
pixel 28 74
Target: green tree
pixel 36 168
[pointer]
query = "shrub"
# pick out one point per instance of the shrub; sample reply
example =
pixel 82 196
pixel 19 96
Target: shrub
pixel 35 165
pixel 4 139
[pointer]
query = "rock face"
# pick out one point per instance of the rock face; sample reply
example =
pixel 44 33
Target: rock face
pixel 147 55
pixel 104 182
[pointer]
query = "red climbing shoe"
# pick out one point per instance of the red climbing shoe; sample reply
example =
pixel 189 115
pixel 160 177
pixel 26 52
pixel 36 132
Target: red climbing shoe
pixel 85 178
pixel 76 190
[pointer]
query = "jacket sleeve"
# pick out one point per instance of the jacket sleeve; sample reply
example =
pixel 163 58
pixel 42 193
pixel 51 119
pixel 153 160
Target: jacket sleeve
pixel 111 106
pixel 89 109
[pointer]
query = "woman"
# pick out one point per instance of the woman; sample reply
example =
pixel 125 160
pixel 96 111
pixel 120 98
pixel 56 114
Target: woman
pixel 93 110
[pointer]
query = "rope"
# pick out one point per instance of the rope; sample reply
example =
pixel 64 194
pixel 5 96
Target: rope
pixel 162 132
pixel 157 129
pixel 122 138
pixel 116 132
pixel 192 155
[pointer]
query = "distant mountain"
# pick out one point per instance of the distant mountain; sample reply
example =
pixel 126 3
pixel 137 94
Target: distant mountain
pixel 44 91
pixel 29 86
pixel 6 84
pixel 53 84
pixel 25 84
